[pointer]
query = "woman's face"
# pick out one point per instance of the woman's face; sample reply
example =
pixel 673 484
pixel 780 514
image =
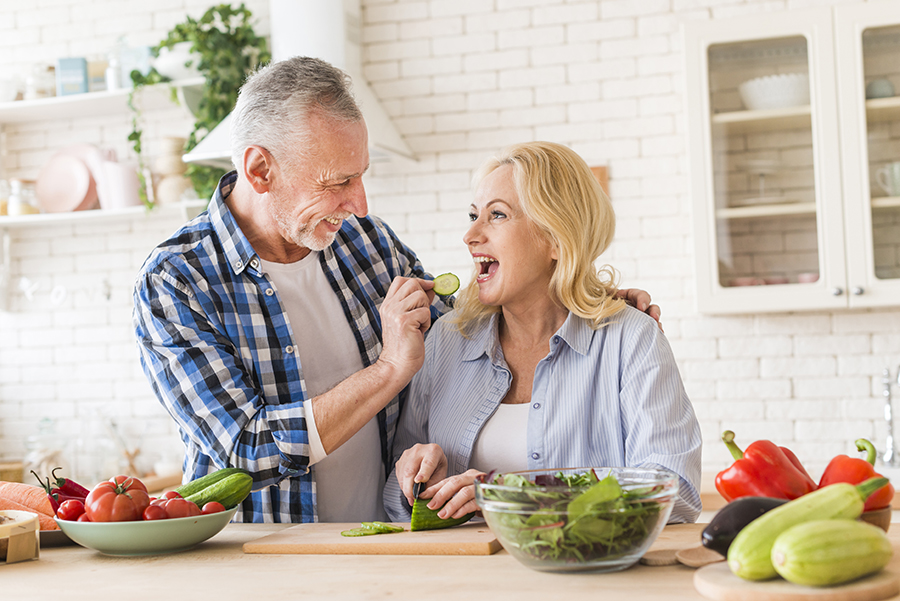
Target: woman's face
pixel 515 261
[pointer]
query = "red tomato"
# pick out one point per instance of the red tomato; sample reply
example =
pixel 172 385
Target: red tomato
pixel 83 518
pixel 121 499
pixel 181 508
pixel 70 510
pixel 155 512
pixel 212 507
pixel 171 494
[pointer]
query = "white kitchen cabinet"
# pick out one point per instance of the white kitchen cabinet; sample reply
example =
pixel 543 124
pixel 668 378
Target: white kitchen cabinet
pixel 785 213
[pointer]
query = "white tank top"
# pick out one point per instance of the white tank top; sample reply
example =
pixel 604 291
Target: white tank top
pixel 328 354
pixel 502 444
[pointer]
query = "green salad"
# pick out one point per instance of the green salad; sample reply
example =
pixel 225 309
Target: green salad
pixel 596 519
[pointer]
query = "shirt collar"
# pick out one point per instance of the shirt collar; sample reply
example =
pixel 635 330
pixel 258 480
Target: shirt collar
pixel 575 331
pixel 236 247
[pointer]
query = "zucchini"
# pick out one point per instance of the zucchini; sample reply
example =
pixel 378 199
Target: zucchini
pixel 381 527
pixel 195 486
pixel 749 555
pixel 828 552
pixel 360 532
pixel 229 491
pixel 424 518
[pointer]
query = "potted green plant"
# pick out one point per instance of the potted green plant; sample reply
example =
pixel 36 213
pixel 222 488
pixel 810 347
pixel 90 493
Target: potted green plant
pixel 228 50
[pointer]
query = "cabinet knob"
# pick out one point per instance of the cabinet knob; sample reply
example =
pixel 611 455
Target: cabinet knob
pixel 857 290
pixel 837 291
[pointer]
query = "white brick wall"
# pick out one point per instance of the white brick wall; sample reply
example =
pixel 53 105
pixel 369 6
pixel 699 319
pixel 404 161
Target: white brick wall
pixel 461 79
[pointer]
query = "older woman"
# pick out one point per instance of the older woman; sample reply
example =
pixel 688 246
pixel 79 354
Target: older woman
pixel 540 366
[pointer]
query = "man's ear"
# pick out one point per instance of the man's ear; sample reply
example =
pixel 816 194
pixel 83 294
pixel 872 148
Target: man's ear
pixel 258 166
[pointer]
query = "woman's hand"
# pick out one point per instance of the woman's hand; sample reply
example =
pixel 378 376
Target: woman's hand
pixel 420 463
pixel 455 494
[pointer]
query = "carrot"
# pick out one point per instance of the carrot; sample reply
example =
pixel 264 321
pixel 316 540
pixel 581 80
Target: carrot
pixel 33 497
pixel 47 522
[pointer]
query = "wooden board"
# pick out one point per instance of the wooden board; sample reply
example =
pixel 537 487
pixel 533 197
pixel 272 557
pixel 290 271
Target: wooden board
pixel 326 539
pixel 716 582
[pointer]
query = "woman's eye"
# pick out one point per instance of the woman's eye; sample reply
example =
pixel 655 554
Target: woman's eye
pixel 497 215
pixel 473 217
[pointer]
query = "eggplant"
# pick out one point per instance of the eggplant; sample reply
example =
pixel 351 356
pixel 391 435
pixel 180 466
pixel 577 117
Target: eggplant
pixel 732 518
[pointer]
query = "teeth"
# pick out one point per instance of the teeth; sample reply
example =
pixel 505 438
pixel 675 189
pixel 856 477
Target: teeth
pixel 333 221
pixel 483 259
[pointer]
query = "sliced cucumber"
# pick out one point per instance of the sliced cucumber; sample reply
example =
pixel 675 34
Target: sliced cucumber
pixel 446 284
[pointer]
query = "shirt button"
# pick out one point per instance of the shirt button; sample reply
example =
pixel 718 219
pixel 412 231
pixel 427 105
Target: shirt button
pixel 269 292
pixel 254 263
pixel 535 455
pixel 238 265
pixel 289 350
pixel 556 339
pixel 537 405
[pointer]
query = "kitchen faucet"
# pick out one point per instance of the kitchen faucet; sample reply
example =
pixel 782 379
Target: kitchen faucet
pixel 890 455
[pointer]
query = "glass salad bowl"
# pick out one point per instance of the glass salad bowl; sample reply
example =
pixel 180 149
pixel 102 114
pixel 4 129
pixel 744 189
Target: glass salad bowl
pixel 600 519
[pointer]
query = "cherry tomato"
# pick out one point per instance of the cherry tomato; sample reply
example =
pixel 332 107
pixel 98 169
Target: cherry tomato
pixel 121 499
pixel 70 510
pixel 181 508
pixel 212 507
pixel 171 494
pixel 83 518
pixel 155 512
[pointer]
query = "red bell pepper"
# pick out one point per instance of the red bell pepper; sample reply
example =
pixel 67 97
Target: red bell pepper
pixel 763 470
pixel 854 470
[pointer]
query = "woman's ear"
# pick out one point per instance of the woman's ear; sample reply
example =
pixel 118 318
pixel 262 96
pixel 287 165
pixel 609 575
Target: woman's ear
pixel 259 167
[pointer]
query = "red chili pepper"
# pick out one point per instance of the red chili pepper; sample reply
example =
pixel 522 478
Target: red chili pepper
pixel 69 487
pixel 763 470
pixel 854 470
pixel 63 491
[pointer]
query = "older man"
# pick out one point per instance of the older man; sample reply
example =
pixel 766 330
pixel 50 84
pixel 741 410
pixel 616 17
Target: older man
pixel 280 327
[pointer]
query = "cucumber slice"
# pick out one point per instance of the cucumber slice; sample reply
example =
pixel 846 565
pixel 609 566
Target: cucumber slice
pixel 446 284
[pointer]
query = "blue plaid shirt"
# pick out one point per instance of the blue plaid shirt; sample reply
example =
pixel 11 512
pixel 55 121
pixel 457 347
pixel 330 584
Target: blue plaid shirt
pixel 217 347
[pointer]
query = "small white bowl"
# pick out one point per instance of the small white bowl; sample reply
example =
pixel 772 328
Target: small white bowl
pixel 775 91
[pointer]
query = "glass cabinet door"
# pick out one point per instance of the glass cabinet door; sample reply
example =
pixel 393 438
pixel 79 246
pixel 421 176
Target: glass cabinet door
pixel 765 166
pixel 869 77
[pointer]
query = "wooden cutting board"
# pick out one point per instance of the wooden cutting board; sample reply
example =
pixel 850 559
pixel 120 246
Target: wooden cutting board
pixel 326 539
pixel 716 582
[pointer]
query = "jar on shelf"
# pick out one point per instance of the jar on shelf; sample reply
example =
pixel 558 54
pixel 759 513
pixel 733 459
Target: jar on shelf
pixel 46 450
pixel 41 82
pixel 4 196
pixel 22 198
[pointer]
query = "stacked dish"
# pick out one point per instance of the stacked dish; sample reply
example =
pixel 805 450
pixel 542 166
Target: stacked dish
pixel 775 91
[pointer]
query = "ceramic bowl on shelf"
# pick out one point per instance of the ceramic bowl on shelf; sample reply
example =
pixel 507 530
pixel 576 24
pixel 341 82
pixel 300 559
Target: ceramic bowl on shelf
pixel 775 91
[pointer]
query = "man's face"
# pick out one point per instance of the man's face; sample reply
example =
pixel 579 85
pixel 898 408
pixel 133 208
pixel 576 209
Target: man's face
pixel 322 186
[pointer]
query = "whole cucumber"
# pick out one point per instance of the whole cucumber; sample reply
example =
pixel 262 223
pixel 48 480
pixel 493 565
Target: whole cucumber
pixel 750 553
pixel 198 484
pixel 229 491
pixel 828 552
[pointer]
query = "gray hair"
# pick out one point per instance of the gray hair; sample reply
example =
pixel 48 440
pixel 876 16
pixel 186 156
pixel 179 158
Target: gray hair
pixel 273 105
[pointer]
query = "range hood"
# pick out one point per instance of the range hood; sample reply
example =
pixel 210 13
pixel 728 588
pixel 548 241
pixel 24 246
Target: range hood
pixel 326 29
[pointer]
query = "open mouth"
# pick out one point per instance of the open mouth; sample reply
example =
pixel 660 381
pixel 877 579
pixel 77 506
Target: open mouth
pixel 333 220
pixel 486 266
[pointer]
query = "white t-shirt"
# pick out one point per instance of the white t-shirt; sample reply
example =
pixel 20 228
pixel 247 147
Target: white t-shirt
pixel 502 444
pixel 350 480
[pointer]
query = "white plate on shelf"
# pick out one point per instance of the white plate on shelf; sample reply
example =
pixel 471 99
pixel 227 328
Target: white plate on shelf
pixel 65 184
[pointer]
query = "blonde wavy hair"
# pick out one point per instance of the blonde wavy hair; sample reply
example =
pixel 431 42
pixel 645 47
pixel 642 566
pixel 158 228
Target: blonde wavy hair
pixel 563 200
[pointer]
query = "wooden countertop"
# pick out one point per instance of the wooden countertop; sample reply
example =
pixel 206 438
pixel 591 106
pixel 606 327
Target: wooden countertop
pixel 219 569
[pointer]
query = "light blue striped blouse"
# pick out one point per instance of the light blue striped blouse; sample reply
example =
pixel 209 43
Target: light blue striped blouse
pixel 607 397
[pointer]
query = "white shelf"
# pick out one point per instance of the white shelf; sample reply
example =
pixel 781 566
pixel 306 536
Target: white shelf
pixel 771 210
pixel 188 208
pixel 735 122
pixel 886 202
pixel 93 104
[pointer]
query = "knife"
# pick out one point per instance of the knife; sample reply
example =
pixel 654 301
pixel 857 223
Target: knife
pixel 418 487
